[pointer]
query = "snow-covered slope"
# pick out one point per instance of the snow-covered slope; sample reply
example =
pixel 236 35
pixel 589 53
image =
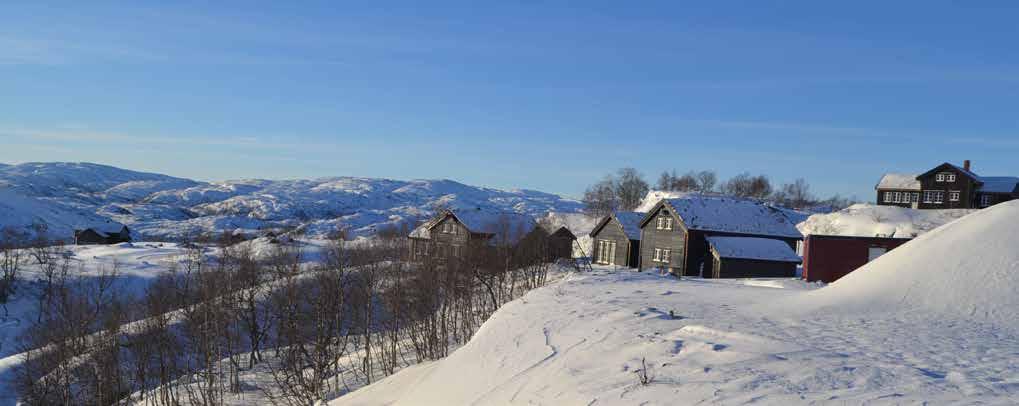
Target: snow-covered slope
pixel 70 195
pixel 967 268
pixel 583 341
pixel 869 220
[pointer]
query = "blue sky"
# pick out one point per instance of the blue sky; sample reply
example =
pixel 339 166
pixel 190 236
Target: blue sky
pixel 536 95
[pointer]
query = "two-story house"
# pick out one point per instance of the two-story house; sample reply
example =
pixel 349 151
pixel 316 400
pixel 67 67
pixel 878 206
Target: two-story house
pixel 450 232
pixel 947 186
pixel 683 237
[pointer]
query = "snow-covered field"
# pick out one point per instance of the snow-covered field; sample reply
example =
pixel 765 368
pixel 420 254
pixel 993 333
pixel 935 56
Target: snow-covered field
pixel 933 322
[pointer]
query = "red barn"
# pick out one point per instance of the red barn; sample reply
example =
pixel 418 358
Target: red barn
pixel 827 258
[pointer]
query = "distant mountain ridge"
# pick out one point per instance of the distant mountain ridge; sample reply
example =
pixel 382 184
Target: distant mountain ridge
pixel 67 195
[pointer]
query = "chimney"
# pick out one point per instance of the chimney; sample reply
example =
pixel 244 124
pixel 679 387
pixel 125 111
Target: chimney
pixel 965 164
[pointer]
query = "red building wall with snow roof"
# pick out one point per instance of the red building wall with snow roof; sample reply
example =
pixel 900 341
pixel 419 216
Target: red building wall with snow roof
pixel 827 258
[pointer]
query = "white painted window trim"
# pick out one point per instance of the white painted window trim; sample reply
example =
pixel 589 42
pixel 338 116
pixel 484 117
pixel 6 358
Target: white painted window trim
pixel 953 195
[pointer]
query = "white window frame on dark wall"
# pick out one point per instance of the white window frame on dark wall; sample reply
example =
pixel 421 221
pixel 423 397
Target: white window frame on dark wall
pixel 949 177
pixel 985 200
pixel 888 197
pixel 953 195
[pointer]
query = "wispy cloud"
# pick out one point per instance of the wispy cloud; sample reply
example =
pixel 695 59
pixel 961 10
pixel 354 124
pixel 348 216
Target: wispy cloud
pixel 85 136
pixel 35 51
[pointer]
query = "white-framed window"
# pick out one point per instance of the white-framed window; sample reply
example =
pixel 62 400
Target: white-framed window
pixel 897 197
pixel 940 177
pixel 933 196
pixel 916 197
pixel 953 195
pixel 949 177
pixel 662 255
pixel 905 197
pixel 985 200
pixel 606 252
pixel 888 197
pixel 664 223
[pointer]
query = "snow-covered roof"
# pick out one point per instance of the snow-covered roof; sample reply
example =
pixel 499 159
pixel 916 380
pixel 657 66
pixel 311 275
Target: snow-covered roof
pixel 765 249
pixel 735 215
pixel 630 220
pixel 502 224
pixel 998 184
pixel 423 231
pixel 898 181
pixel 105 229
pixel 871 220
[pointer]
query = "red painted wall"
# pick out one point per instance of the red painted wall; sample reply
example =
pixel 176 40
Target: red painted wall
pixel 828 258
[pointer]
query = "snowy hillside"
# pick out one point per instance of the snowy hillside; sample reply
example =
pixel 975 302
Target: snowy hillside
pixel 932 322
pixel 869 220
pixel 70 195
pixel 967 268
pixel 582 341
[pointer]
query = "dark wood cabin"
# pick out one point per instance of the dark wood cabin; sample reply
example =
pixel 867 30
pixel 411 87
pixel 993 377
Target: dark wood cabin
pixel 615 240
pixel 104 234
pixel 946 186
pixel 751 257
pixel 674 232
pixel 450 232
pixel 560 242
pixel 827 258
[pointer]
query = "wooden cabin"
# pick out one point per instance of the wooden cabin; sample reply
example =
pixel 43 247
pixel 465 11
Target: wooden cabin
pixel 827 258
pixel 560 241
pixel 110 233
pixel 449 233
pixel 751 257
pixel 946 186
pixel 674 233
pixel 616 240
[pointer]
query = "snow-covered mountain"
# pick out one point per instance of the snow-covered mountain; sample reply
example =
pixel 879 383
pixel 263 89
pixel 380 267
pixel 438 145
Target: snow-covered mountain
pixel 72 195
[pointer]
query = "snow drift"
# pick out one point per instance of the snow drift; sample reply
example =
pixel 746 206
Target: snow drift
pixel 968 268
pixel 870 220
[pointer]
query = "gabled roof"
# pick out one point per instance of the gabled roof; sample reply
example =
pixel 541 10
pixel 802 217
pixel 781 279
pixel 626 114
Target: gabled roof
pixel 953 166
pixel 629 221
pixel 105 229
pixel 998 184
pixel 902 181
pixel 553 229
pixel 764 249
pixel 499 224
pixel 731 215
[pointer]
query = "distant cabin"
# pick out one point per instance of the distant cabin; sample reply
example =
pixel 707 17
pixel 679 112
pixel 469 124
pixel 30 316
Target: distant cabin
pixel 616 239
pixel 449 233
pixel 103 234
pixel 675 237
pixel 946 186
pixel 560 241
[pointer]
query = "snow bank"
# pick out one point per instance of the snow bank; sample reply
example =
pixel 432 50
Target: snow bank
pixel 968 268
pixel 869 220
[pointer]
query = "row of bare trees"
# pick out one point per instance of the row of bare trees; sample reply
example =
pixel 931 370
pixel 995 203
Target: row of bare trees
pixel 625 189
pixel 312 329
